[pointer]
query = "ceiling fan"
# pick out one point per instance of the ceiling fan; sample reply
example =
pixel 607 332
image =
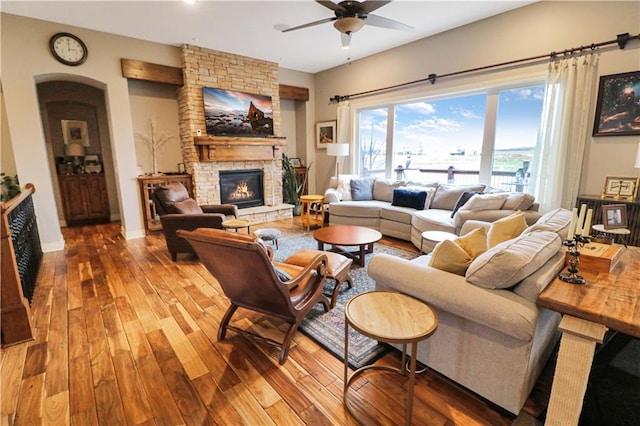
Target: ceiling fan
pixel 351 16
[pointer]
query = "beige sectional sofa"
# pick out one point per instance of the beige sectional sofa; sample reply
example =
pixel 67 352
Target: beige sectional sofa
pixel 375 207
pixel 491 337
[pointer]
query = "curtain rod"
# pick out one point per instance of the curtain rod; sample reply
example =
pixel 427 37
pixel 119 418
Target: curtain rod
pixel 621 40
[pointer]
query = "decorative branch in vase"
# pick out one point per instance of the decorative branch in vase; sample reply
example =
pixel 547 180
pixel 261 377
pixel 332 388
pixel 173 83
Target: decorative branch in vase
pixel 156 142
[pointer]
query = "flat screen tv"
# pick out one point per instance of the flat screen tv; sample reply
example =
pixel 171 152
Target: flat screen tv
pixel 229 112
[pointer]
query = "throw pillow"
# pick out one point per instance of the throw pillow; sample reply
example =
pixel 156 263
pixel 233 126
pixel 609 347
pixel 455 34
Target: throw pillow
pixel 485 202
pixel 464 197
pixel 506 228
pixel 474 243
pixel 512 261
pixel 448 256
pixel 429 189
pixel 518 201
pixel 344 186
pixel 361 189
pixel 406 198
pixel 188 206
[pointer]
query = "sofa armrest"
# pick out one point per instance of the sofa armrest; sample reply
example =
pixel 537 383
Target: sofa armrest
pixel 501 310
pixel 190 222
pixel 331 195
pixel 225 209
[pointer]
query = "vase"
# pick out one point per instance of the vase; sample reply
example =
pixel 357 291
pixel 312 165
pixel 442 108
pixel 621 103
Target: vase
pixel 297 209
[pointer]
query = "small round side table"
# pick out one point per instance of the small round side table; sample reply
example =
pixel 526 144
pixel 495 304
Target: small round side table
pixel 312 212
pixel 431 238
pixel 613 232
pixel 237 224
pixel 388 317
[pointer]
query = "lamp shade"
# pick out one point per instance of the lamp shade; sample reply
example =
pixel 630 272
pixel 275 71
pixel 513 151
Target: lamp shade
pixel 637 165
pixel 74 150
pixel 338 149
pixel 348 25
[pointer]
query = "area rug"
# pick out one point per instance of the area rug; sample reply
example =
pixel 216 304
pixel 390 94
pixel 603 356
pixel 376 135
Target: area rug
pixel 327 328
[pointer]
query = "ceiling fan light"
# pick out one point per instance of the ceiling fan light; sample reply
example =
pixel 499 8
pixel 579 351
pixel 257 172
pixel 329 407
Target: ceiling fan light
pixel 348 25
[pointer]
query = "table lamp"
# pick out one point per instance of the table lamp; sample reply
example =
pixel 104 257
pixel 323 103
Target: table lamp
pixel 338 150
pixel 75 150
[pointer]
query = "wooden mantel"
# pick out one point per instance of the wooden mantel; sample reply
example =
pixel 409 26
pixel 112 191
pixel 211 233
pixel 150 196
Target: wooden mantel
pixel 237 148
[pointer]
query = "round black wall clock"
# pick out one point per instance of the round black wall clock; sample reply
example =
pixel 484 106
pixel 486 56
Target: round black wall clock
pixel 68 49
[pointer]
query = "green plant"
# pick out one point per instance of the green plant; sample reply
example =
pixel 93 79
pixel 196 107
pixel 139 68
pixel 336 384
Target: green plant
pixel 10 186
pixel 291 187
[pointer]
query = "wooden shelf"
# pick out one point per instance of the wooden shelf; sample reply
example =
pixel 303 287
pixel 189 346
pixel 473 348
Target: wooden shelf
pixel 237 148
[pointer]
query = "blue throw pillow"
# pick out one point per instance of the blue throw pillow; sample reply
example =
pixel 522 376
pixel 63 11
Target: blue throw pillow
pixel 361 189
pixel 407 198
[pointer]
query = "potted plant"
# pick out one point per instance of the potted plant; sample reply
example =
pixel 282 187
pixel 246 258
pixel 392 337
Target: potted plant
pixel 10 186
pixel 292 189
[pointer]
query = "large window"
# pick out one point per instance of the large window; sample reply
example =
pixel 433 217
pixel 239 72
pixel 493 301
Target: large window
pixel 487 136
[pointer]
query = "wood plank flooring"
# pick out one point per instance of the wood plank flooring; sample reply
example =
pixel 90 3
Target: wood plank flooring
pixel 126 336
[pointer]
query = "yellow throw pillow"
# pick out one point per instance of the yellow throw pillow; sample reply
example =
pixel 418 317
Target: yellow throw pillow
pixel 474 243
pixel 449 256
pixel 505 229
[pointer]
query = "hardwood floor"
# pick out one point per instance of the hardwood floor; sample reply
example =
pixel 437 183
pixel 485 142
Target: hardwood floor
pixel 126 336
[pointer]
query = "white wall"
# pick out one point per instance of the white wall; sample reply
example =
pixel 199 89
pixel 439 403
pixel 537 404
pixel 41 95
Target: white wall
pixel 533 30
pixel 26 42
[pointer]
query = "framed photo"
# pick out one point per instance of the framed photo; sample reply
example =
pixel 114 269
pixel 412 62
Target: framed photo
pixel 620 187
pixel 75 131
pixel 614 216
pixel 295 162
pixel 325 133
pixel 618 106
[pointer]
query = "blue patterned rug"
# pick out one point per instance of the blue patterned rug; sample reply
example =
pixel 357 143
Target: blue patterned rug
pixel 327 328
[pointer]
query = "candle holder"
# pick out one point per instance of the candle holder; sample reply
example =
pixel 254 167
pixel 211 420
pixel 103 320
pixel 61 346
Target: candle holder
pixel 571 276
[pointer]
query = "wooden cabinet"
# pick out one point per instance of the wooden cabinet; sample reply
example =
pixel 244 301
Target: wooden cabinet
pixel 84 198
pixel 596 202
pixel 147 185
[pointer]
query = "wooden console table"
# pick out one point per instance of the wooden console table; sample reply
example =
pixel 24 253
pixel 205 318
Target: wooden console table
pixel 606 301
pixel 596 202
pixel 147 185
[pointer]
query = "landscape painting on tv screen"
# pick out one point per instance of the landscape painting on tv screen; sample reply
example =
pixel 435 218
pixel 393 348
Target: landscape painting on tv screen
pixel 228 112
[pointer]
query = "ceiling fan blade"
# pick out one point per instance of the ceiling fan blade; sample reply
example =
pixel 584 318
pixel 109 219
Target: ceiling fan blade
pixel 330 5
pixel 310 24
pixel 371 5
pixel 345 39
pixel 379 21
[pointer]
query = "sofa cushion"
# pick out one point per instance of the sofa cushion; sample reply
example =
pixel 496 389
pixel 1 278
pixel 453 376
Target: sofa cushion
pixel 357 208
pixel 464 197
pixel 447 195
pixel 518 201
pixel 506 228
pixel 397 213
pixel 383 189
pixel 485 202
pixel 512 261
pixel 406 198
pixel 449 256
pixel 188 206
pixel 362 189
pixel 558 220
pixel 530 287
pixel 433 220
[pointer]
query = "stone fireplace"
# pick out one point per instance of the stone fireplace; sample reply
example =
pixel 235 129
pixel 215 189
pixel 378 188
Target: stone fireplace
pixel 243 187
pixel 209 68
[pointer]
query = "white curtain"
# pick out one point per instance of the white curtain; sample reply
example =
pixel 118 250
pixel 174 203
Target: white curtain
pixel 344 134
pixel 569 94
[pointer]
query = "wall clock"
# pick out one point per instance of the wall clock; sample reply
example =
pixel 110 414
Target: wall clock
pixel 68 49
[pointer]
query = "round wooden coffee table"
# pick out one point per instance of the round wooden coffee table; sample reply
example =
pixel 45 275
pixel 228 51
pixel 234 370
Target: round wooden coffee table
pixel 390 317
pixel 348 236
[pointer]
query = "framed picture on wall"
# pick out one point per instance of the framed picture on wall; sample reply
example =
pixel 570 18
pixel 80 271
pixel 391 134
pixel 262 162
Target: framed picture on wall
pixel 325 133
pixel 75 131
pixel 618 105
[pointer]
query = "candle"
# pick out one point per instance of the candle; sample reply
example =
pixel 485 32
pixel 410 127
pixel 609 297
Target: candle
pixel 572 225
pixel 586 230
pixel 583 211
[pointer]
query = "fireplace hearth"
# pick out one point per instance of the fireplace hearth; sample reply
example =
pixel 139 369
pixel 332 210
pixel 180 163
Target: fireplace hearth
pixel 243 188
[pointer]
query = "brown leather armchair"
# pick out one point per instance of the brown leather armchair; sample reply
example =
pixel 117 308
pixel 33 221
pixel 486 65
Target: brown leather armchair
pixel 179 211
pixel 242 266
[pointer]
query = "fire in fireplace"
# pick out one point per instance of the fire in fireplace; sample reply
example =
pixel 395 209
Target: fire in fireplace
pixel 243 188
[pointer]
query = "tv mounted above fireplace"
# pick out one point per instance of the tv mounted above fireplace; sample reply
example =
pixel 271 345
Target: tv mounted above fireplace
pixel 229 112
